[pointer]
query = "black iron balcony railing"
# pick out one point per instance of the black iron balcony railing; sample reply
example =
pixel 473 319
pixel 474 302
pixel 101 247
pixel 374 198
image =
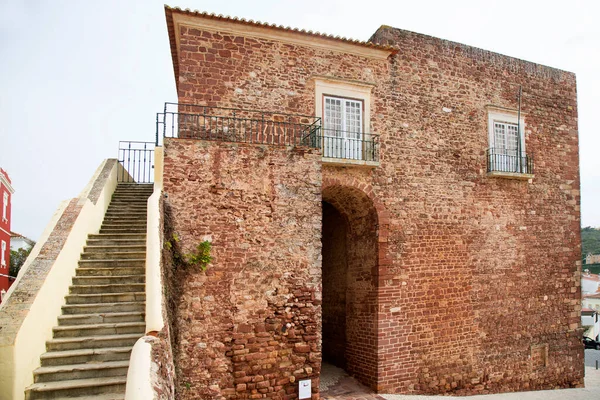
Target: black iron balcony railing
pixel 509 160
pixel 349 145
pixel 186 121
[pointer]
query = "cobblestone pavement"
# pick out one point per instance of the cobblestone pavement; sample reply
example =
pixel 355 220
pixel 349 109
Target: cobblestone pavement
pixel 336 384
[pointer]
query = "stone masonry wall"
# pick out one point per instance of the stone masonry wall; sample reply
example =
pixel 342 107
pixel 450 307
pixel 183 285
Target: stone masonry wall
pixel 250 325
pixel 476 278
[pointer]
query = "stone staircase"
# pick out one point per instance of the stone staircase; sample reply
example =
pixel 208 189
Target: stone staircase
pixel 103 317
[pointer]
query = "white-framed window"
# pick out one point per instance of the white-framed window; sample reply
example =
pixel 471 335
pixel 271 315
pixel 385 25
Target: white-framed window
pixel 3 256
pixel 342 127
pixel 506 151
pixel 5 207
pixel 344 107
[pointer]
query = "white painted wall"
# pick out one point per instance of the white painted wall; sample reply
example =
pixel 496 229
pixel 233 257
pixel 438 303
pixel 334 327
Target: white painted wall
pixel 589 286
pixel 592 325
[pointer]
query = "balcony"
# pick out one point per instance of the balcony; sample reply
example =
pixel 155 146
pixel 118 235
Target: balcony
pixel 349 148
pixel 506 163
pixel 187 121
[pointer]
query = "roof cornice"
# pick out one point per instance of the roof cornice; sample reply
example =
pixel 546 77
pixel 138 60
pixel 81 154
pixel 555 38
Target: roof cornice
pixel 195 19
pixel 6 183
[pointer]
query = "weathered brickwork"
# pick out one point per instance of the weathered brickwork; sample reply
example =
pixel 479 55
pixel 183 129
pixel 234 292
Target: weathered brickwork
pixel 454 280
pixel 250 326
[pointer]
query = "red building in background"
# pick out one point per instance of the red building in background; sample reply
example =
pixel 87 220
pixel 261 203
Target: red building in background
pixel 6 191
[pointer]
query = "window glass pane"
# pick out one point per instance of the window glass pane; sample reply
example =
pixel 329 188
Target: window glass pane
pixel 499 136
pixel 512 137
pixel 353 119
pixel 332 121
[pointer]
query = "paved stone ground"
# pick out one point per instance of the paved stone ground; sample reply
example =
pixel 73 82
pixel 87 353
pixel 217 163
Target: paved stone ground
pixel 336 384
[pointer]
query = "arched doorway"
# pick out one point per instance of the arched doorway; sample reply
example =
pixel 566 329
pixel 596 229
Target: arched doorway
pixel 350 251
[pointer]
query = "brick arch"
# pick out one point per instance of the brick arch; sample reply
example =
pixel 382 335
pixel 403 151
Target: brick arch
pixel 383 217
pixel 367 230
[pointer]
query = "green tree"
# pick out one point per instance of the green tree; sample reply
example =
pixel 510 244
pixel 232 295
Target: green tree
pixel 17 259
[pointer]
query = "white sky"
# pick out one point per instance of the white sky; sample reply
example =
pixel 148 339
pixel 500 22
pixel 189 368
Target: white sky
pixel 78 76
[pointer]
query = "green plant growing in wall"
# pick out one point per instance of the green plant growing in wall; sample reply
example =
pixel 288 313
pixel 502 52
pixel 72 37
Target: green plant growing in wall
pixel 171 242
pixel 201 257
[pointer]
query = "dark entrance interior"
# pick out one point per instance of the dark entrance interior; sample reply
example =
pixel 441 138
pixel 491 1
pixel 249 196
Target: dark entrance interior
pixel 335 270
pixel 349 237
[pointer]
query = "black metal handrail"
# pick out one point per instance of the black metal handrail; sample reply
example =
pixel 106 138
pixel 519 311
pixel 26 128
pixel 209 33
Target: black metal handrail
pixel 189 121
pixel 137 161
pixel 509 160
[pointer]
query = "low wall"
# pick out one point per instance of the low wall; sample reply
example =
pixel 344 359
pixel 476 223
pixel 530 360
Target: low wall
pixel 34 301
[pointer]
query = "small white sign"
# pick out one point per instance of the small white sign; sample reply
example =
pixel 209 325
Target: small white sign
pixel 304 391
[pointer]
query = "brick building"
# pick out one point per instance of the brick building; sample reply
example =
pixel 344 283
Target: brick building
pixel 6 191
pixel 375 205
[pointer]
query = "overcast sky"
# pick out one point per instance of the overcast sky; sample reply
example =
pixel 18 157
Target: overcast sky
pixel 78 76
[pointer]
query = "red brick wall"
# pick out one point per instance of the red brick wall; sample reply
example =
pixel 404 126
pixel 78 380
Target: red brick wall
pixel 250 325
pixel 465 274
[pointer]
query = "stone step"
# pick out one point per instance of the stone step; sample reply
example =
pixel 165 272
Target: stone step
pixel 106 396
pixel 80 371
pixel 105 298
pixel 109 280
pixel 120 328
pixel 93 342
pixel 112 216
pixel 119 222
pixel 78 387
pixel 131 202
pixel 133 216
pixel 115 255
pixel 107 288
pixel 134 200
pixel 123 230
pixel 127 201
pixel 116 242
pixel 124 219
pixel 107 271
pixel 96 308
pixel 137 187
pixel 114 262
pixel 128 208
pixel 115 249
pixel 101 318
pixel 117 236
pixel 83 356
pixel 123 225
pixel 126 212
pixel 130 198
pixel 145 190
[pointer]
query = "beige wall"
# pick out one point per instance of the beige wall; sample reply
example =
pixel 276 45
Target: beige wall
pixel 20 349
